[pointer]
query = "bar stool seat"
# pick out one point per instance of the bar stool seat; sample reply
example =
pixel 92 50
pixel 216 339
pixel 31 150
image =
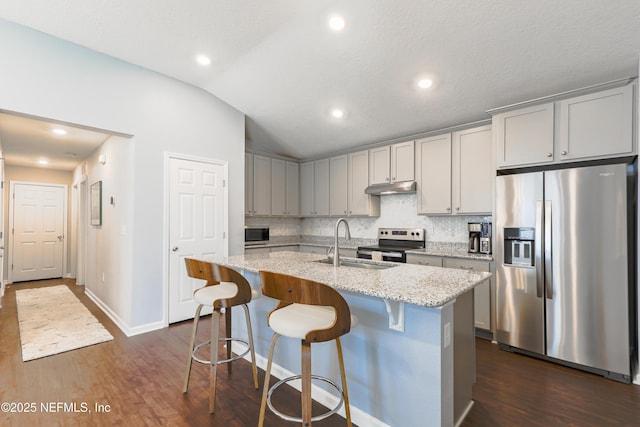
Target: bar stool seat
pixel 311 312
pixel 224 288
pixel 297 320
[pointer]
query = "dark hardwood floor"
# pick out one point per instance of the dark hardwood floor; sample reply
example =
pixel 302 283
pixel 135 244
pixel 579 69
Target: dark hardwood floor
pixel 140 379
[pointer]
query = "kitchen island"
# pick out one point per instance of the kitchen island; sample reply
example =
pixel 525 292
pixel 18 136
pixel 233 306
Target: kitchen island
pixel 410 359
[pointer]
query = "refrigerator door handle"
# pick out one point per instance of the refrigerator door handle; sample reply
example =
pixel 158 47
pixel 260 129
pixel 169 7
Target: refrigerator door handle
pixel 538 250
pixel 548 276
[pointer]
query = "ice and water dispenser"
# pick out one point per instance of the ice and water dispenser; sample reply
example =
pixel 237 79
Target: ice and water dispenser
pixel 519 246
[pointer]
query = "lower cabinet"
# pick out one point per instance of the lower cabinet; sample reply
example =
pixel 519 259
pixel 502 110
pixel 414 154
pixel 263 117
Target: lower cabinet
pixel 433 261
pixel 481 294
pixel 322 250
pixel 263 250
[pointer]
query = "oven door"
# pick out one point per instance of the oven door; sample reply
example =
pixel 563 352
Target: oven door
pixel 392 256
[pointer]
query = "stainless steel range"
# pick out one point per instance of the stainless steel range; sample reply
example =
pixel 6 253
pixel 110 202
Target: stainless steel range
pixel 393 244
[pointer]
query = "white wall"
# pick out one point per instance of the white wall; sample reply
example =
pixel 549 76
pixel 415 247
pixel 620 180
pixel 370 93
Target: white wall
pixel 109 246
pixel 47 77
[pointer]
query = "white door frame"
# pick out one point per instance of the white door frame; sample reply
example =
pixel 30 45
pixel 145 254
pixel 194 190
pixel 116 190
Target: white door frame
pixel 80 238
pixel 166 244
pixel 65 201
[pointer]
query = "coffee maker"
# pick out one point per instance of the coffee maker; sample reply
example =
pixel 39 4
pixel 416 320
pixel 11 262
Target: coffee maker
pixel 480 237
pixel 475 230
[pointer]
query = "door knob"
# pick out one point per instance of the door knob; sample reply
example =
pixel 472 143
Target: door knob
pixel 60 237
pixel 174 249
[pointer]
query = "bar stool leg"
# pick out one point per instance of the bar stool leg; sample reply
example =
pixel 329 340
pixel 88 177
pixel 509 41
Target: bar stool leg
pixel 213 359
pixel 251 348
pixel 227 327
pixel 267 375
pixel 191 347
pixel 306 383
pixel 343 377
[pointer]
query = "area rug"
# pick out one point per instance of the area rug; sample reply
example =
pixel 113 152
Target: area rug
pixel 52 320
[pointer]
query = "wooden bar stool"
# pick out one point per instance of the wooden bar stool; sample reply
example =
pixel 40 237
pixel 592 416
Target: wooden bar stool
pixel 312 312
pixel 224 288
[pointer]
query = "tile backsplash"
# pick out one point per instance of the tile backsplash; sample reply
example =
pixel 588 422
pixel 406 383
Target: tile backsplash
pixel 398 210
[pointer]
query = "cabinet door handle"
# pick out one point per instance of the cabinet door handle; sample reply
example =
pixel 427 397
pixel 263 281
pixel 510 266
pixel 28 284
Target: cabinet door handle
pixel 458 208
pixel 564 153
pixel 549 154
pixel 448 209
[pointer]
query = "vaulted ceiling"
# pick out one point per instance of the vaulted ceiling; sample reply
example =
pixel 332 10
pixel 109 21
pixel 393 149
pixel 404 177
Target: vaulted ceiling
pixel 280 63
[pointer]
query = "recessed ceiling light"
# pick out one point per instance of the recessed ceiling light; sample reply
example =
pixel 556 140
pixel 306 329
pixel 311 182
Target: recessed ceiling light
pixel 43 161
pixel 337 113
pixel 59 131
pixel 425 83
pixel 337 23
pixel 203 60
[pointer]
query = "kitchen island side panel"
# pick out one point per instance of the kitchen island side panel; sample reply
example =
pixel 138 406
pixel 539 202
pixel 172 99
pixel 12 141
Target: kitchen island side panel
pixel 394 378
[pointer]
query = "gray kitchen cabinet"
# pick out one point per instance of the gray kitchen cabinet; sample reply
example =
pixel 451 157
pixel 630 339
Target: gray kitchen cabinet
pixel 358 202
pixel 338 194
pixel 433 174
pixel 455 172
pixel 592 126
pixel 525 136
pixel 253 250
pixel 289 248
pixel 430 260
pixel 284 188
pixel 314 188
pixel 380 165
pixel 312 249
pixel 248 183
pixel 481 293
pixel 261 185
pixel 472 170
pixel 596 125
pixel 392 163
pixel 293 189
pixel 278 187
pixel 402 161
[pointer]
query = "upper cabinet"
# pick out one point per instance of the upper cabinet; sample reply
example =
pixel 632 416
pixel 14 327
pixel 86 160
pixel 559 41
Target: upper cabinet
pixel 314 188
pixel 248 183
pixel 392 163
pixel 525 136
pixel 358 202
pixel 338 199
pixel 433 174
pixel 472 171
pixel 455 172
pixel 349 178
pixel 285 188
pixel 261 185
pixel 597 125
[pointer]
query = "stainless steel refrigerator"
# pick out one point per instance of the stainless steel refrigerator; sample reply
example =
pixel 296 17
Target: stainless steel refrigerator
pixel 565 266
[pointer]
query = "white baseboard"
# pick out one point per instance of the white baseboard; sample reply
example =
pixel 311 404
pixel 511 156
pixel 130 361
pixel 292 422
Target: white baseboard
pixel 358 416
pixel 121 324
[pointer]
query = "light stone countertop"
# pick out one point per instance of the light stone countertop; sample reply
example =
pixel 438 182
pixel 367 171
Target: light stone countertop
pixel 414 284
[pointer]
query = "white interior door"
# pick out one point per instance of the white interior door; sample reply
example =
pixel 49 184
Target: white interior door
pixel 38 228
pixel 197 227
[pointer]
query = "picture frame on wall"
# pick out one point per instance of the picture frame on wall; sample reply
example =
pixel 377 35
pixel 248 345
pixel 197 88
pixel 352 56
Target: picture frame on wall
pixel 96 203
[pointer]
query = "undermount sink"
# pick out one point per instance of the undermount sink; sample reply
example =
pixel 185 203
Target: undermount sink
pixel 371 265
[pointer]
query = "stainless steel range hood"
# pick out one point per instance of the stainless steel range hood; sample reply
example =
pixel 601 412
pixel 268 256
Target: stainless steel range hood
pixel 392 188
